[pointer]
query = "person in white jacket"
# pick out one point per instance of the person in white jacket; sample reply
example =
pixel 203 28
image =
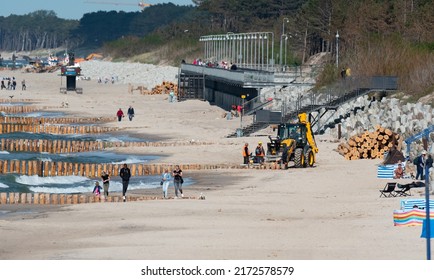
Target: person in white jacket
pixel 165 181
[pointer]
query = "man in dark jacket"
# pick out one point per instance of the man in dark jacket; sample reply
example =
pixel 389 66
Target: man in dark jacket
pixel 420 166
pixel 130 113
pixel 125 175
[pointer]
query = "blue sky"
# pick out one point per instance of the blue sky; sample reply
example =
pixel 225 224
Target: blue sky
pixel 75 9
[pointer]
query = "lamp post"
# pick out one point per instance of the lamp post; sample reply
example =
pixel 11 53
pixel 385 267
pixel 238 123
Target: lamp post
pixel 243 97
pixel 283 32
pixel 337 49
pixel 427 215
pixel 286 49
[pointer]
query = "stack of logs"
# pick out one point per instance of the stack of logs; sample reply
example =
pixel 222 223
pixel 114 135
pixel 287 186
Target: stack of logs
pixel 371 145
pixel 165 87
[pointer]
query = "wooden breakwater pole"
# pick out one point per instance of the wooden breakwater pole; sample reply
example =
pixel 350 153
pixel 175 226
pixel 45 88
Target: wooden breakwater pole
pixel 54 120
pixel 94 170
pixel 24 109
pixel 64 199
pixel 54 129
pixel 74 146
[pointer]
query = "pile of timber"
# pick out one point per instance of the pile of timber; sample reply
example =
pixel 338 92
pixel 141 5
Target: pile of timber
pixel 371 145
pixel 165 88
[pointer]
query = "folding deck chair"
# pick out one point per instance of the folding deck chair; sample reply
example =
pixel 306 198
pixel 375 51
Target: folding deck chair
pixel 403 190
pixel 389 190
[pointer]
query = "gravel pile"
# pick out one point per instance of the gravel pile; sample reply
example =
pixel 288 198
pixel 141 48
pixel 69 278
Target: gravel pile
pixel 129 73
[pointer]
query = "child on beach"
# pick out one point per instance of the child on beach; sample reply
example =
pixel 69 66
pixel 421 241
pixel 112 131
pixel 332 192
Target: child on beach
pixel 97 189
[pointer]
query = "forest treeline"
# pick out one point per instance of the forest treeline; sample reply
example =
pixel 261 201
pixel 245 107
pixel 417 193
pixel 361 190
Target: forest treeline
pixel 376 37
pixel 44 30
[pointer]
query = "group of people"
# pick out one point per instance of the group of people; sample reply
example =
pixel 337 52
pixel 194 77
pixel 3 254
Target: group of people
pixel 12 84
pixel 419 163
pixel 166 178
pixel 107 80
pixel 125 175
pixel 259 154
pixel 130 112
pixel 215 64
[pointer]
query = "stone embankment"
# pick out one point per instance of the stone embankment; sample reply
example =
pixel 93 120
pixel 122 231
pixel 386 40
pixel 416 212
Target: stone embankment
pixel 403 119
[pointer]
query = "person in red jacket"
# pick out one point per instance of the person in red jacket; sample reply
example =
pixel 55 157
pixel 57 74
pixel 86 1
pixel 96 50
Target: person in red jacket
pixel 120 114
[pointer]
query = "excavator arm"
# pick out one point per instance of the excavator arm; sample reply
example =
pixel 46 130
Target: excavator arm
pixel 302 118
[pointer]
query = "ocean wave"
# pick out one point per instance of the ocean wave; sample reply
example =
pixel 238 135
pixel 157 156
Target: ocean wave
pixel 44 159
pixel 3 186
pixel 4 152
pixel 35 180
pixel 130 160
pixel 115 186
pixel 77 189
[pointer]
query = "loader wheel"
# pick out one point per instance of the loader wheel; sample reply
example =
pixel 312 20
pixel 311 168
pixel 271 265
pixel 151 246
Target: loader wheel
pixel 298 158
pixel 310 158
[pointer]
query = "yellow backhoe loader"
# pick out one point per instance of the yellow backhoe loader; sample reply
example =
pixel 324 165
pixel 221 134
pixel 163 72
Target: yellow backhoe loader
pixel 294 142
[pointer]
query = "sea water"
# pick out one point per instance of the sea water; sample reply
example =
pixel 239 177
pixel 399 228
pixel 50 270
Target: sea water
pixel 82 157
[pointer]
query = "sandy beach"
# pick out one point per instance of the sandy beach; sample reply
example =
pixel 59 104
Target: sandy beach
pixel 329 212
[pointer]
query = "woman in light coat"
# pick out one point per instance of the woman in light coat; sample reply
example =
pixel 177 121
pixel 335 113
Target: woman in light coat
pixel 165 180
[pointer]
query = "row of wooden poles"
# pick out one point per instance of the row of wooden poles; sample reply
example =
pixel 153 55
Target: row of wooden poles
pixel 94 170
pixel 56 120
pixel 53 129
pixel 73 146
pixel 8 100
pixel 60 199
pixel 24 109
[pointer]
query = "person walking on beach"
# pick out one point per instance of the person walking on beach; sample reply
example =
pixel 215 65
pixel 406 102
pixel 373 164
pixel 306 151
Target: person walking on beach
pixel 125 175
pixel 246 153
pixel 130 113
pixel 23 85
pixel 177 181
pixel 105 176
pixel 120 114
pixel 165 180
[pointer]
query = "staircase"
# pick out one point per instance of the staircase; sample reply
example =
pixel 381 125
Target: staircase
pixel 248 130
pixel 254 105
pixel 344 93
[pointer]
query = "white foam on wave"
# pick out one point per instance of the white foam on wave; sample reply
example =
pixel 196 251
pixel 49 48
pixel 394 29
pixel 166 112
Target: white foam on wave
pixel 116 186
pixel 3 186
pixel 4 152
pixel 44 159
pixel 130 160
pixel 35 180
pixel 34 115
pixel 76 189
pixel 112 139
